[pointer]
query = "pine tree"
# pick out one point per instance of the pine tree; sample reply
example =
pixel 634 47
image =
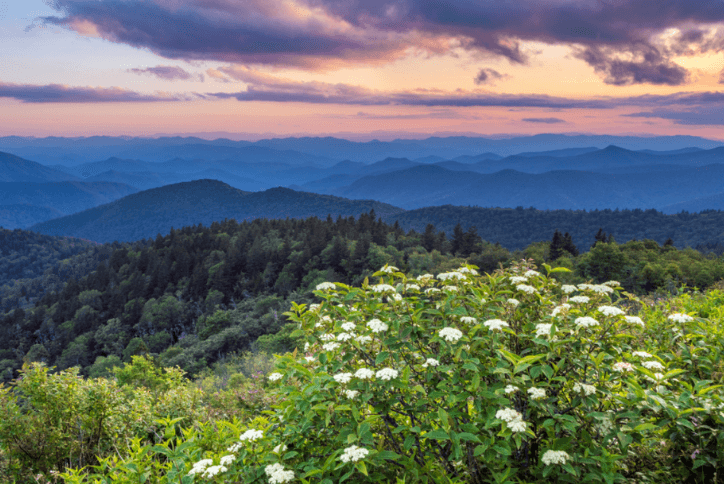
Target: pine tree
pixel 557 246
pixel 569 246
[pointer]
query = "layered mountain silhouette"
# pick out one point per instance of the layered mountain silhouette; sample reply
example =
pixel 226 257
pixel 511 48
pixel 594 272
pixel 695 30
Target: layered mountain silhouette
pixel 150 212
pixel 16 169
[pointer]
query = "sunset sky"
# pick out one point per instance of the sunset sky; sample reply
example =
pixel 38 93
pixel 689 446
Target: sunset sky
pixel 361 69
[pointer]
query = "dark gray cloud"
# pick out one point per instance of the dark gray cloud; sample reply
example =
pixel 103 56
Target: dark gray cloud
pixel 56 93
pixel 622 39
pixel 168 73
pixel 487 76
pixel 544 120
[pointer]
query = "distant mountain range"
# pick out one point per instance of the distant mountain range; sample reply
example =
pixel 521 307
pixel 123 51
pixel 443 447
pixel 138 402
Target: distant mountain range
pixel 148 213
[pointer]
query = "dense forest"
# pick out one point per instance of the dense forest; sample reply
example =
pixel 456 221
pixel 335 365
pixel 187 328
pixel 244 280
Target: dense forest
pixel 200 293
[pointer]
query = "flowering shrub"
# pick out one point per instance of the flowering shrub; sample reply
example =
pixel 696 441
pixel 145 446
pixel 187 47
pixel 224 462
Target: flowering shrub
pixel 489 383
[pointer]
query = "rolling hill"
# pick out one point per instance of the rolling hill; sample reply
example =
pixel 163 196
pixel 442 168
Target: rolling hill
pixel 150 212
pixel 16 169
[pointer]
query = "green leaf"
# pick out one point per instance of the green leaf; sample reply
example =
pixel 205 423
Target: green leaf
pixel 644 426
pixel 437 434
pixel 361 467
pixel 468 437
pixel 382 356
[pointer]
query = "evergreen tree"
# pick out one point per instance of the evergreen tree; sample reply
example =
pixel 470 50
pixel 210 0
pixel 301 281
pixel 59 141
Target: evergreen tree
pixel 557 246
pixel 569 246
pixel 458 240
pixel 429 238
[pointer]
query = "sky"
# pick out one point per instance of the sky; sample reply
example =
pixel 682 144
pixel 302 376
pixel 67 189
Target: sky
pixel 361 69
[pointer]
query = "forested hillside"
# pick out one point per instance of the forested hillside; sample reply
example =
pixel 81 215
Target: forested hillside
pixel 202 292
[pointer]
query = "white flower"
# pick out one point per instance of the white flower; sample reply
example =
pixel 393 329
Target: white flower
pixel 517 426
pixel 251 435
pixel 530 273
pixel 343 377
pixel 510 389
pixel 518 279
pixel 451 275
pixel 468 320
pixel 623 367
pixel 227 460
pixel 425 278
pixel 387 374
pixel 364 373
pixel 306 347
pixel 558 309
pixel 325 286
pixel 234 447
pixel 395 297
pixel 542 329
pixel 200 466
pixel 275 376
pixel 450 334
pixel 430 362
pixel 508 414
pixel 465 270
pixel 278 475
pixel 513 302
pixel 583 388
pixel 642 354
pixel 634 320
pixel 449 288
pixel 344 337
pixel 351 393
pixel 482 301
pixel 601 289
pixel 495 324
pixel 585 322
pixel 610 311
pixel 555 457
pixel 431 290
pixel 354 454
pixel 213 470
pixel 583 287
pixel 537 393
pixel 383 288
pixel 389 269
pixel 377 326
pixel 327 337
pixel 279 449
pixel 579 299
pixel 680 318
pixel 348 326
pixel 309 359
pixel 526 288
pixel 330 346
pixel 314 307
pixel 652 365
pixel 612 283
pixel 412 287
pixel 567 288
pixel 363 339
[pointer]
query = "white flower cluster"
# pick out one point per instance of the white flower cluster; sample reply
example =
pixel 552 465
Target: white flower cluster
pixel 642 354
pixel 412 287
pixel 510 389
pixel 351 394
pixel 495 324
pixel 431 290
pixel 680 318
pixel 325 286
pixel 559 309
pixel 451 275
pixel 468 320
pixel 227 460
pixel 213 470
pixel 579 299
pixel 450 334
pixel 543 330
pixel 326 337
pixel 450 288
pixel 344 337
pixel 330 346
pixel 513 418
pixel 343 377
pixel 537 393
pixel 652 365
pixel 314 307
pixel 354 454
pixel 597 288
pixel 634 320
pixel 278 475
pixel 425 278
pixel 234 448
pixel 430 362
pixel 465 270
pixel 383 288
pixel 349 326
pixel 584 388
pixel 585 322
pixel 389 269
pixel 513 302
pixel 610 311
pixel 612 283
pixel 363 339
pixel 200 466
pixel 394 298
pixel 251 435
pixel 386 374
pixel 526 288
pixel 518 279
pixel 567 288
pixel 275 376
pixel 623 367
pixel 531 273
pixel 555 457
pixel 364 373
pixel 279 449
pixel 377 326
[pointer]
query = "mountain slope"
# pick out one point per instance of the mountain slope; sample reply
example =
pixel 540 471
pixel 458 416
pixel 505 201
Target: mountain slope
pixel 19 216
pixel 148 213
pixel 16 169
pixel 67 196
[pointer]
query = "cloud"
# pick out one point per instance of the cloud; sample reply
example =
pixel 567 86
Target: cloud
pixel 544 120
pixel 57 93
pixel 703 116
pixel 625 41
pixel 168 73
pixel 488 76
